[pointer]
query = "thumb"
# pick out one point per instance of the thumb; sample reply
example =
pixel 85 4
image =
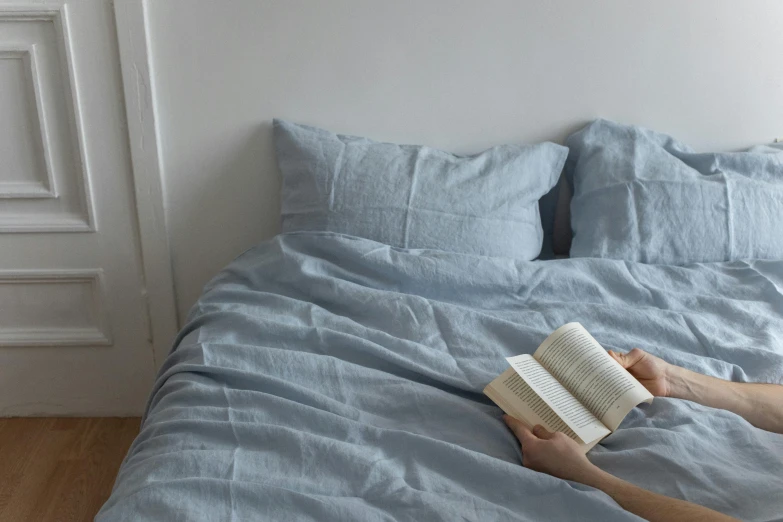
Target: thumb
pixel 627 360
pixel 634 356
pixel 541 432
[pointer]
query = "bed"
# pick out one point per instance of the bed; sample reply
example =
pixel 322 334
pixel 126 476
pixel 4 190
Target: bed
pixel 329 376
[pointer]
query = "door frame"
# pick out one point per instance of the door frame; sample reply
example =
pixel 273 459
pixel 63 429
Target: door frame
pixel 140 105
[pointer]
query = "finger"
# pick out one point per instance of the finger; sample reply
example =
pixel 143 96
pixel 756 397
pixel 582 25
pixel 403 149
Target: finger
pixel 521 431
pixel 541 432
pixel 620 358
pixel 514 424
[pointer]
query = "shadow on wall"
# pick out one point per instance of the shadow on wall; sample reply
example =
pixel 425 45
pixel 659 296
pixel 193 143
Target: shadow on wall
pixel 243 183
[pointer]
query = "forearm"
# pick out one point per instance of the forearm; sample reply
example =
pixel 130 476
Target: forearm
pixel 649 505
pixel 759 404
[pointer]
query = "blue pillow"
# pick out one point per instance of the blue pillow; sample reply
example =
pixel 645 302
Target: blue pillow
pixel 642 196
pixel 416 197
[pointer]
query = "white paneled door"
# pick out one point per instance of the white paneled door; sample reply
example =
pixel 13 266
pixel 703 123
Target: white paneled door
pixel 75 331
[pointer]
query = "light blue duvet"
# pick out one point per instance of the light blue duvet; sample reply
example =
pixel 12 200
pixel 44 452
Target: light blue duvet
pixel 327 377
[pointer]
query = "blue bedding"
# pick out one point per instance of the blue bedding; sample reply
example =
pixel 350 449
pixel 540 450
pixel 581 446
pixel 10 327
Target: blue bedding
pixel 327 377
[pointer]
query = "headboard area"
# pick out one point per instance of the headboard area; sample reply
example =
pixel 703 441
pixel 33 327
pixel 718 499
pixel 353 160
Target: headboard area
pixel 456 75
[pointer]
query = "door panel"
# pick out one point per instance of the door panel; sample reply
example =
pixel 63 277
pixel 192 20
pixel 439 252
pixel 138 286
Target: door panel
pixel 74 326
pixel 44 180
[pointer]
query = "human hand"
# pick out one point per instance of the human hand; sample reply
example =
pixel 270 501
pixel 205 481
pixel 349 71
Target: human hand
pixel 652 372
pixel 552 453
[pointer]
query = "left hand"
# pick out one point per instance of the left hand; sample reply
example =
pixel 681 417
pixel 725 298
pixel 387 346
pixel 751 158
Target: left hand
pixel 652 372
pixel 552 453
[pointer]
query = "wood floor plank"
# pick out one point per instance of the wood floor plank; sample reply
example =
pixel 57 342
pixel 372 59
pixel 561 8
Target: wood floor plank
pixel 60 469
pixel 20 440
pixel 36 482
pixel 67 423
pixel 49 504
pixel 100 464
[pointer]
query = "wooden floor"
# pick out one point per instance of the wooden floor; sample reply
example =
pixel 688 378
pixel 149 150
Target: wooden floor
pixel 60 469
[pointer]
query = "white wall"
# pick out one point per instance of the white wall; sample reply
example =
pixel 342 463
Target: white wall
pixel 452 74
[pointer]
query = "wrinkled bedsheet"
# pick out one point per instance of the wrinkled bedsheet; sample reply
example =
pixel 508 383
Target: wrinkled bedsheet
pixel 328 377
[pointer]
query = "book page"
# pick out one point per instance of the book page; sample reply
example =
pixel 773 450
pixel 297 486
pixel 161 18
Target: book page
pixel 515 397
pixel 582 366
pixel 577 417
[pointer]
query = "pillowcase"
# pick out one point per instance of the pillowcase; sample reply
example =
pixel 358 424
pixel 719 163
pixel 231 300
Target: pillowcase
pixel 642 196
pixel 416 197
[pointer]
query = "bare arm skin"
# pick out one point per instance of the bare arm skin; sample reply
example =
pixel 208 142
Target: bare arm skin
pixel 759 404
pixel 560 456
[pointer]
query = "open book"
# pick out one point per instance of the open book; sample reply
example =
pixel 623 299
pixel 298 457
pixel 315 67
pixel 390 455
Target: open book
pixel 569 384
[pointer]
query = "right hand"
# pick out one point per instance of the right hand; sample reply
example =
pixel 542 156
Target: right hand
pixel 552 453
pixel 648 369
